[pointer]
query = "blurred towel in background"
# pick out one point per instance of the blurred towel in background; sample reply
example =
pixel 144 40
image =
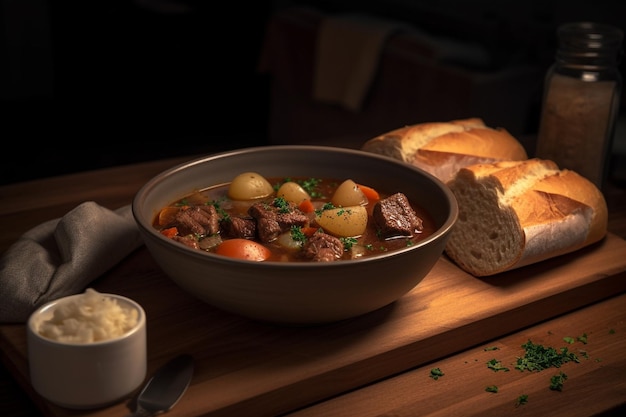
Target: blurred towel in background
pixel 347 56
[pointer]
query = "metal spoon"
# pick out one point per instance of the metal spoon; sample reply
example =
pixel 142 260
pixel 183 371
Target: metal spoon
pixel 165 388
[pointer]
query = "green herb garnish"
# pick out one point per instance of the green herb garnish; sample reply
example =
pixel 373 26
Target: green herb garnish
pixel 491 388
pixel 281 204
pixel 496 366
pixel 348 242
pixel 297 234
pixel 521 400
pixel 556 382
pixel 538 357
pixel 326 206
pixel 218 207
pixel 436 373
pixel 310 186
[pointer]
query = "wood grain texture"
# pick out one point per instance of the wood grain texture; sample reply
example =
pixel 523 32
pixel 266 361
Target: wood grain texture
pixel 247 368
pixel 599 378
pixel 257 369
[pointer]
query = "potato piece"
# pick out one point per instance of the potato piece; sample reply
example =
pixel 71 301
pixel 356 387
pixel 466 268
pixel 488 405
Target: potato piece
pixel 249 186
pixel 343 221
pixel 348 194
pixel 287 241
pixel 292 191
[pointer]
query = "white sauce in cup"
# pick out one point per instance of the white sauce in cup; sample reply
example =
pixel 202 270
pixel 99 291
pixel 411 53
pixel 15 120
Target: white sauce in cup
pixel 91 317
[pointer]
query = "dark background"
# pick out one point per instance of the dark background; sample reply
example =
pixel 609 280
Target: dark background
pixel 86 84
pixel 91 84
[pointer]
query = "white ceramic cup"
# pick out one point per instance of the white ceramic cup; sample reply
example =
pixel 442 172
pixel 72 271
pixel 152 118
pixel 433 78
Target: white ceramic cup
pixel 86 375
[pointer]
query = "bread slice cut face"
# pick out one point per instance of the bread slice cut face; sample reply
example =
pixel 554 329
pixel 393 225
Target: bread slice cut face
pixel 515 213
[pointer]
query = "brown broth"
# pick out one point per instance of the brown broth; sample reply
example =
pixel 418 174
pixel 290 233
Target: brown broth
pixel 368 244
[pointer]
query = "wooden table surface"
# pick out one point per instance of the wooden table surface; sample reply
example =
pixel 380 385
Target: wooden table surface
pixel 594 386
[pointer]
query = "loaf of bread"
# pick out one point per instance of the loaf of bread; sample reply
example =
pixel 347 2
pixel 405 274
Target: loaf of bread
pixel 442 148
pixel 515 213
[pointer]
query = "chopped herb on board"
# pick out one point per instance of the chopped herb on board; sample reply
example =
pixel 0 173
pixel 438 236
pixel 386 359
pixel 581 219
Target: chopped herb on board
pixel 521 400
pixel 537 357
pixel 435 373
pixel 556 382
pixel 492 388
pixel 572 340
pixel 496 365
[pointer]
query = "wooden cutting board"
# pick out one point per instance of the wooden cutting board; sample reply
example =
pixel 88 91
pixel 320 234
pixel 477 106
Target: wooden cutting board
pixel 247 368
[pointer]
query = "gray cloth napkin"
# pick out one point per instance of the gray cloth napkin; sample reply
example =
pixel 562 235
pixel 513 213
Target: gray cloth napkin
pixel 63 256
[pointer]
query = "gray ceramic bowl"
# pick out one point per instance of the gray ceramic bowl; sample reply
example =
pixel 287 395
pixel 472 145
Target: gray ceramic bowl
pixel 305 292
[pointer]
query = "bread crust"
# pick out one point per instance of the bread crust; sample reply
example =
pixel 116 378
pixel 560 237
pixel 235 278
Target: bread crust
pixel 514 213
pixel 442 148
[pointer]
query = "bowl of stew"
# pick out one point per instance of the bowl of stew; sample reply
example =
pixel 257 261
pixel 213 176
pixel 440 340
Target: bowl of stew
pixel 295 234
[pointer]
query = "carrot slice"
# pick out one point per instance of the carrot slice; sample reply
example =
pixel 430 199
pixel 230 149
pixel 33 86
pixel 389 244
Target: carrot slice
pixel 309 231
pixel 306 206
pixel 170 232
pixel 369 192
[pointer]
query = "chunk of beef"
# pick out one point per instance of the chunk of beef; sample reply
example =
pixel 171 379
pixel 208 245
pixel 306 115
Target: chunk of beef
pixel 271 221
pixel 395 217
pixel 322 247
pixel 268 229
pixel 239 227
pixel 200 220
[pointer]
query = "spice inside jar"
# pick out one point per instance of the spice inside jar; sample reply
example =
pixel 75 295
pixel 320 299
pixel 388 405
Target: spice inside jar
pixel 581 100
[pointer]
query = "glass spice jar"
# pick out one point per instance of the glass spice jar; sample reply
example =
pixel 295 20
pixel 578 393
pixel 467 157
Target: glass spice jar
pixel 581 99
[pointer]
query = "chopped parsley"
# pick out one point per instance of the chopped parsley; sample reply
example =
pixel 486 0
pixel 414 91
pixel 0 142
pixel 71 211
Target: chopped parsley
pixel 521 400
pixel 496 366
pixel 491 388
pixel 297 234
pixel 182 203
pixel 572 340
pixel 326 206
pixel 538 357
pixel 556 382
pixel 491 348
pixel 281 204
pixel 436 373
pixel 310 186
pixel 220 210
pixel 348 242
